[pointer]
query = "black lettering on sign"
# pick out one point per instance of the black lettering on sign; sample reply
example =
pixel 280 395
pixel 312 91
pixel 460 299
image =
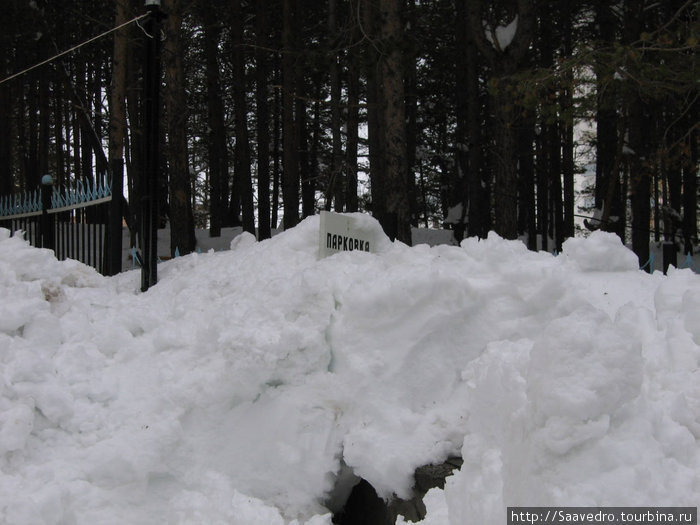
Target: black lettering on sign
pixel 345 243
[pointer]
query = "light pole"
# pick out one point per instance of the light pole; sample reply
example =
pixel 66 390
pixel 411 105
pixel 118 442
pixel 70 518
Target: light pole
pixel 149 179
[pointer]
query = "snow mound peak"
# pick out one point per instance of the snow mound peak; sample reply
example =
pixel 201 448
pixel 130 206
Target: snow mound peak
pixel 601 251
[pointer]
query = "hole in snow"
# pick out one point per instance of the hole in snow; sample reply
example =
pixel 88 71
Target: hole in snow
pixel 355 502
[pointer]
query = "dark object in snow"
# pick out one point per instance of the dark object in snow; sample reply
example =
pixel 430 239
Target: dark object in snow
pixel 365 507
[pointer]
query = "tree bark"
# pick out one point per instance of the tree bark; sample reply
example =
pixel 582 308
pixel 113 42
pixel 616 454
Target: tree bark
pixel 44 126
pixel 368 20
pixel 117 138
pixel 6 164
pixel 542 189
pixel 307 179
pixel 277 141
pixel 690 187
pixel 182 236
pixel 242 173
pixel 527 210
pixel 640 183
pixel 217 144
pixel 290 163
pixel 411 104
pixel 397 219
pixel 263 118
pixel 134 145
pixel 336 183
pixel 505 63
pixel 478 185
pixel 459 187
pixel 608 196
pixel 567 124
pixel 640 177
pixel 353 120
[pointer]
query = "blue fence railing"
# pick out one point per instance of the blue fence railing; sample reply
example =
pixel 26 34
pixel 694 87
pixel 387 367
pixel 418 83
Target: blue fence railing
pixel 29 203
pixel 71 220
pixel 23 204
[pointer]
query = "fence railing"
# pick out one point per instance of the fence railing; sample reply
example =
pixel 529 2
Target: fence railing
pixel 71 220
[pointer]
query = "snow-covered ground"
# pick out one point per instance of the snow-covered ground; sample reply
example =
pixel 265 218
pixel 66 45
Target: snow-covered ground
pixel 248 383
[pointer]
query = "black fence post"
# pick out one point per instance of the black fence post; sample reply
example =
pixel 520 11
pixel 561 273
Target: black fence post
pixel 149 180
pixel 47 234
pixel 670 255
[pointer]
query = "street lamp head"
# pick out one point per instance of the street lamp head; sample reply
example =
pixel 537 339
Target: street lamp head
pixel 152 3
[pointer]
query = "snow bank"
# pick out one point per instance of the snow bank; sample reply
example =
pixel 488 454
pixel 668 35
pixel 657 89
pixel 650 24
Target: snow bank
pixel 601 251
pixel 240 387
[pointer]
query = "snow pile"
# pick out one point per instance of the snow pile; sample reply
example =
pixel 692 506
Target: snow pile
pixel 251 386
pixel 600 252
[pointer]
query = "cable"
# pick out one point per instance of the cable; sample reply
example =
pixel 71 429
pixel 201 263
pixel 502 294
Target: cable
pixel 74 48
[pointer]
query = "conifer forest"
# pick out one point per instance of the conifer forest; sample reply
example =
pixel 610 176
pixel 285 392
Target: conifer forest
pixel 472 115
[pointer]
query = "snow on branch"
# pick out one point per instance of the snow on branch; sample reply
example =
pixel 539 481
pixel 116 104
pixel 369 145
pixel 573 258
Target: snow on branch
pixel 501 37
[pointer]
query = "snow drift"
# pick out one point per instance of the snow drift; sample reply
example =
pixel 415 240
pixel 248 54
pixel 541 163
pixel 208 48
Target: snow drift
pixel 245 385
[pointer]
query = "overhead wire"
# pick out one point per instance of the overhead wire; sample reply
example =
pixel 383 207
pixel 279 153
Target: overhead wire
pixel 72 49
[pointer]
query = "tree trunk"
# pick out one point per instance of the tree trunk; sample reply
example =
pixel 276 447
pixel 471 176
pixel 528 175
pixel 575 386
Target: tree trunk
pixel 263 118
pixel 411 105
pixel 638 138
pixel 290 163
pixel 59 130
pixel 353 120
pixel 459 188
pixel 607 161
pixel 276 145
pixel 505 162
pixel 317 133
pixel 32 177
pixel 180 204
pixel 134 146
pixel 397 219
pixel 6 164
pixel 542 189
pixel 117 138
pixel 567 124
pixel 86 135
pixel 217 144
pixel 550 135
pixel 554 146
pixel 241 152
pixel 336 183
pixel 478 214
pixel 307 179
pixel 527 221
pixel 44 126
pixel 640 183
pixel 369 15
pixel 690 188
pixel 504 61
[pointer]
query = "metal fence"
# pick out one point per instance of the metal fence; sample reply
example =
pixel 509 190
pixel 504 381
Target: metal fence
pixel 72 221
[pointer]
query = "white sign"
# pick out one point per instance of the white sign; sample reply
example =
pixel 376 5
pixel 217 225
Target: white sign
pixel 344 233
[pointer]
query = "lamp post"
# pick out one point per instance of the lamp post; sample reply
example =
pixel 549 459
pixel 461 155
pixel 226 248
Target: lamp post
pixel 149 179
